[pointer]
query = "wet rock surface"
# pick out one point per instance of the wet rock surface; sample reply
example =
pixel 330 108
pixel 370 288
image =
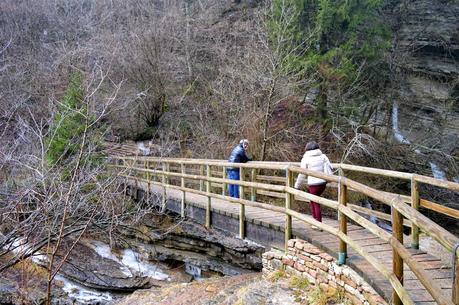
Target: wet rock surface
pixel 7 291
pixel 426 52
pixel 208 249
pixel 201 261
pixel 94 273
pixel 85 266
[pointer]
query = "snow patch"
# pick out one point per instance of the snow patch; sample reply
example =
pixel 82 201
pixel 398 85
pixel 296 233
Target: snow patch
pixel 132 261
pixel 145 150
pixel 252 243
pixel 83 294
pixel 104 251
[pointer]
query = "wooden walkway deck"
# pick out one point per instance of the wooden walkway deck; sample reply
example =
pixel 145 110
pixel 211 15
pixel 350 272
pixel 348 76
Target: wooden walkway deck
pixel 374 245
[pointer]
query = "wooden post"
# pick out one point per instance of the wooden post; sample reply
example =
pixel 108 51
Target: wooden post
pixel 224 184
pixel 182 184
pixel 164 188
pixel 241 207
pixel 208 207
pixel 397 263
pixel 201 182
pixel 136 180
pixel 456 279
pixel 415 205
pixel 342 200
pixel 167 170
pixel 146 165
pixel 253 190
pixel 288 202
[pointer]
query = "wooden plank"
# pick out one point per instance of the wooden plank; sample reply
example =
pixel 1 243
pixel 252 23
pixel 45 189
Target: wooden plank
pixel 415 205
pixel 420 295
pixel 374 171
pixel 270 178
pixel 429 265
pixel 437 182
pixel 416 284
pixel 455 292
pixel 378 248
pixel 288 203
pixel 377 214
pixel 271 194
pixel 439 208
pixel 342 197
pixel 434 274
pixel 422 257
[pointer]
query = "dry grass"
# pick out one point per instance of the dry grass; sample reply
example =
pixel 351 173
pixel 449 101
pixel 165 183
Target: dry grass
pixel 277 275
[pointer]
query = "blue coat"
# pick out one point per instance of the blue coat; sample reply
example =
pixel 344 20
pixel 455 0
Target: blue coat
pixel 238 155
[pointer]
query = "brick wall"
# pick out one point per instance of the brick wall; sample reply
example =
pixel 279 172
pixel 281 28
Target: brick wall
pixel 308 261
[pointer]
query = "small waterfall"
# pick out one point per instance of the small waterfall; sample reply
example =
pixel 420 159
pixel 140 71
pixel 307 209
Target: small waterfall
pixel 145 150
pixel 397 134
pixel 193 270
pixel 437 172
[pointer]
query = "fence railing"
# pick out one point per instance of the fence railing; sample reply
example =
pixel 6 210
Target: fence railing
pixel 269 185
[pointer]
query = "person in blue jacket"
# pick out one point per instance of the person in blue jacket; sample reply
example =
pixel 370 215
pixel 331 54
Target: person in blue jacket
pixel 238 155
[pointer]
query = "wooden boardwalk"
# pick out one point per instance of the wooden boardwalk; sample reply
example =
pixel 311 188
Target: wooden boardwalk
pixel 380 249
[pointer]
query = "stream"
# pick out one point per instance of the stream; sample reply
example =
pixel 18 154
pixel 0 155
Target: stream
pixel 96 273
pixel 126 264
pixel 437 172
pixel 131 264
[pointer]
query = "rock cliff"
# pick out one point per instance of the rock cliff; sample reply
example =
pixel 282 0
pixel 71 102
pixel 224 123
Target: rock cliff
pixel 426 89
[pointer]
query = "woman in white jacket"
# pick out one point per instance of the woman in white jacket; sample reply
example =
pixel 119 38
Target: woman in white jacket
pixel 314 159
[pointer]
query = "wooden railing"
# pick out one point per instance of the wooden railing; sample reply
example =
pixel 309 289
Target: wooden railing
pixel 208 178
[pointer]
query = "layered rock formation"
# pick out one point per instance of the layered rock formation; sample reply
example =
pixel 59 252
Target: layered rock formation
pixel 209 250
pixel 426 53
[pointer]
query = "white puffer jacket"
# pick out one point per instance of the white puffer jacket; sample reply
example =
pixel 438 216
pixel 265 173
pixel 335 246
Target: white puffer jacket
pixel 313 160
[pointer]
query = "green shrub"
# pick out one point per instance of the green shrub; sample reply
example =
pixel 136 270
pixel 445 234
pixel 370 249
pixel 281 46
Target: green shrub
pixel 68 123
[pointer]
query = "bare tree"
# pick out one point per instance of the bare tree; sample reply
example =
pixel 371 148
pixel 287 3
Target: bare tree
pixel 54 203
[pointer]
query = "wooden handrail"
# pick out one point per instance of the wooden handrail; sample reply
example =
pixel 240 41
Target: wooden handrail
pixel 444 237
pixel 397 203
pixel 437 232
pixel 282 165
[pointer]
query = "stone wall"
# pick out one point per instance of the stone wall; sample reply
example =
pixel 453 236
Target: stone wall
pixel 308 261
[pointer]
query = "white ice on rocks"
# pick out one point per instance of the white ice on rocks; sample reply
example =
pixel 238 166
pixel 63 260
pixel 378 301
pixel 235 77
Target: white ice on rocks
pixel 132 261
pixel 83 294
pixel 104 251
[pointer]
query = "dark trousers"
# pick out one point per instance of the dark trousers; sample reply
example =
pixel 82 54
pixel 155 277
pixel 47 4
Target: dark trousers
pixel 315 207
pixel 234 188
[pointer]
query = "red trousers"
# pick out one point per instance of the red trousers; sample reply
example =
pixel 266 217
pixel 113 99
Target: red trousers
pixel 315 207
